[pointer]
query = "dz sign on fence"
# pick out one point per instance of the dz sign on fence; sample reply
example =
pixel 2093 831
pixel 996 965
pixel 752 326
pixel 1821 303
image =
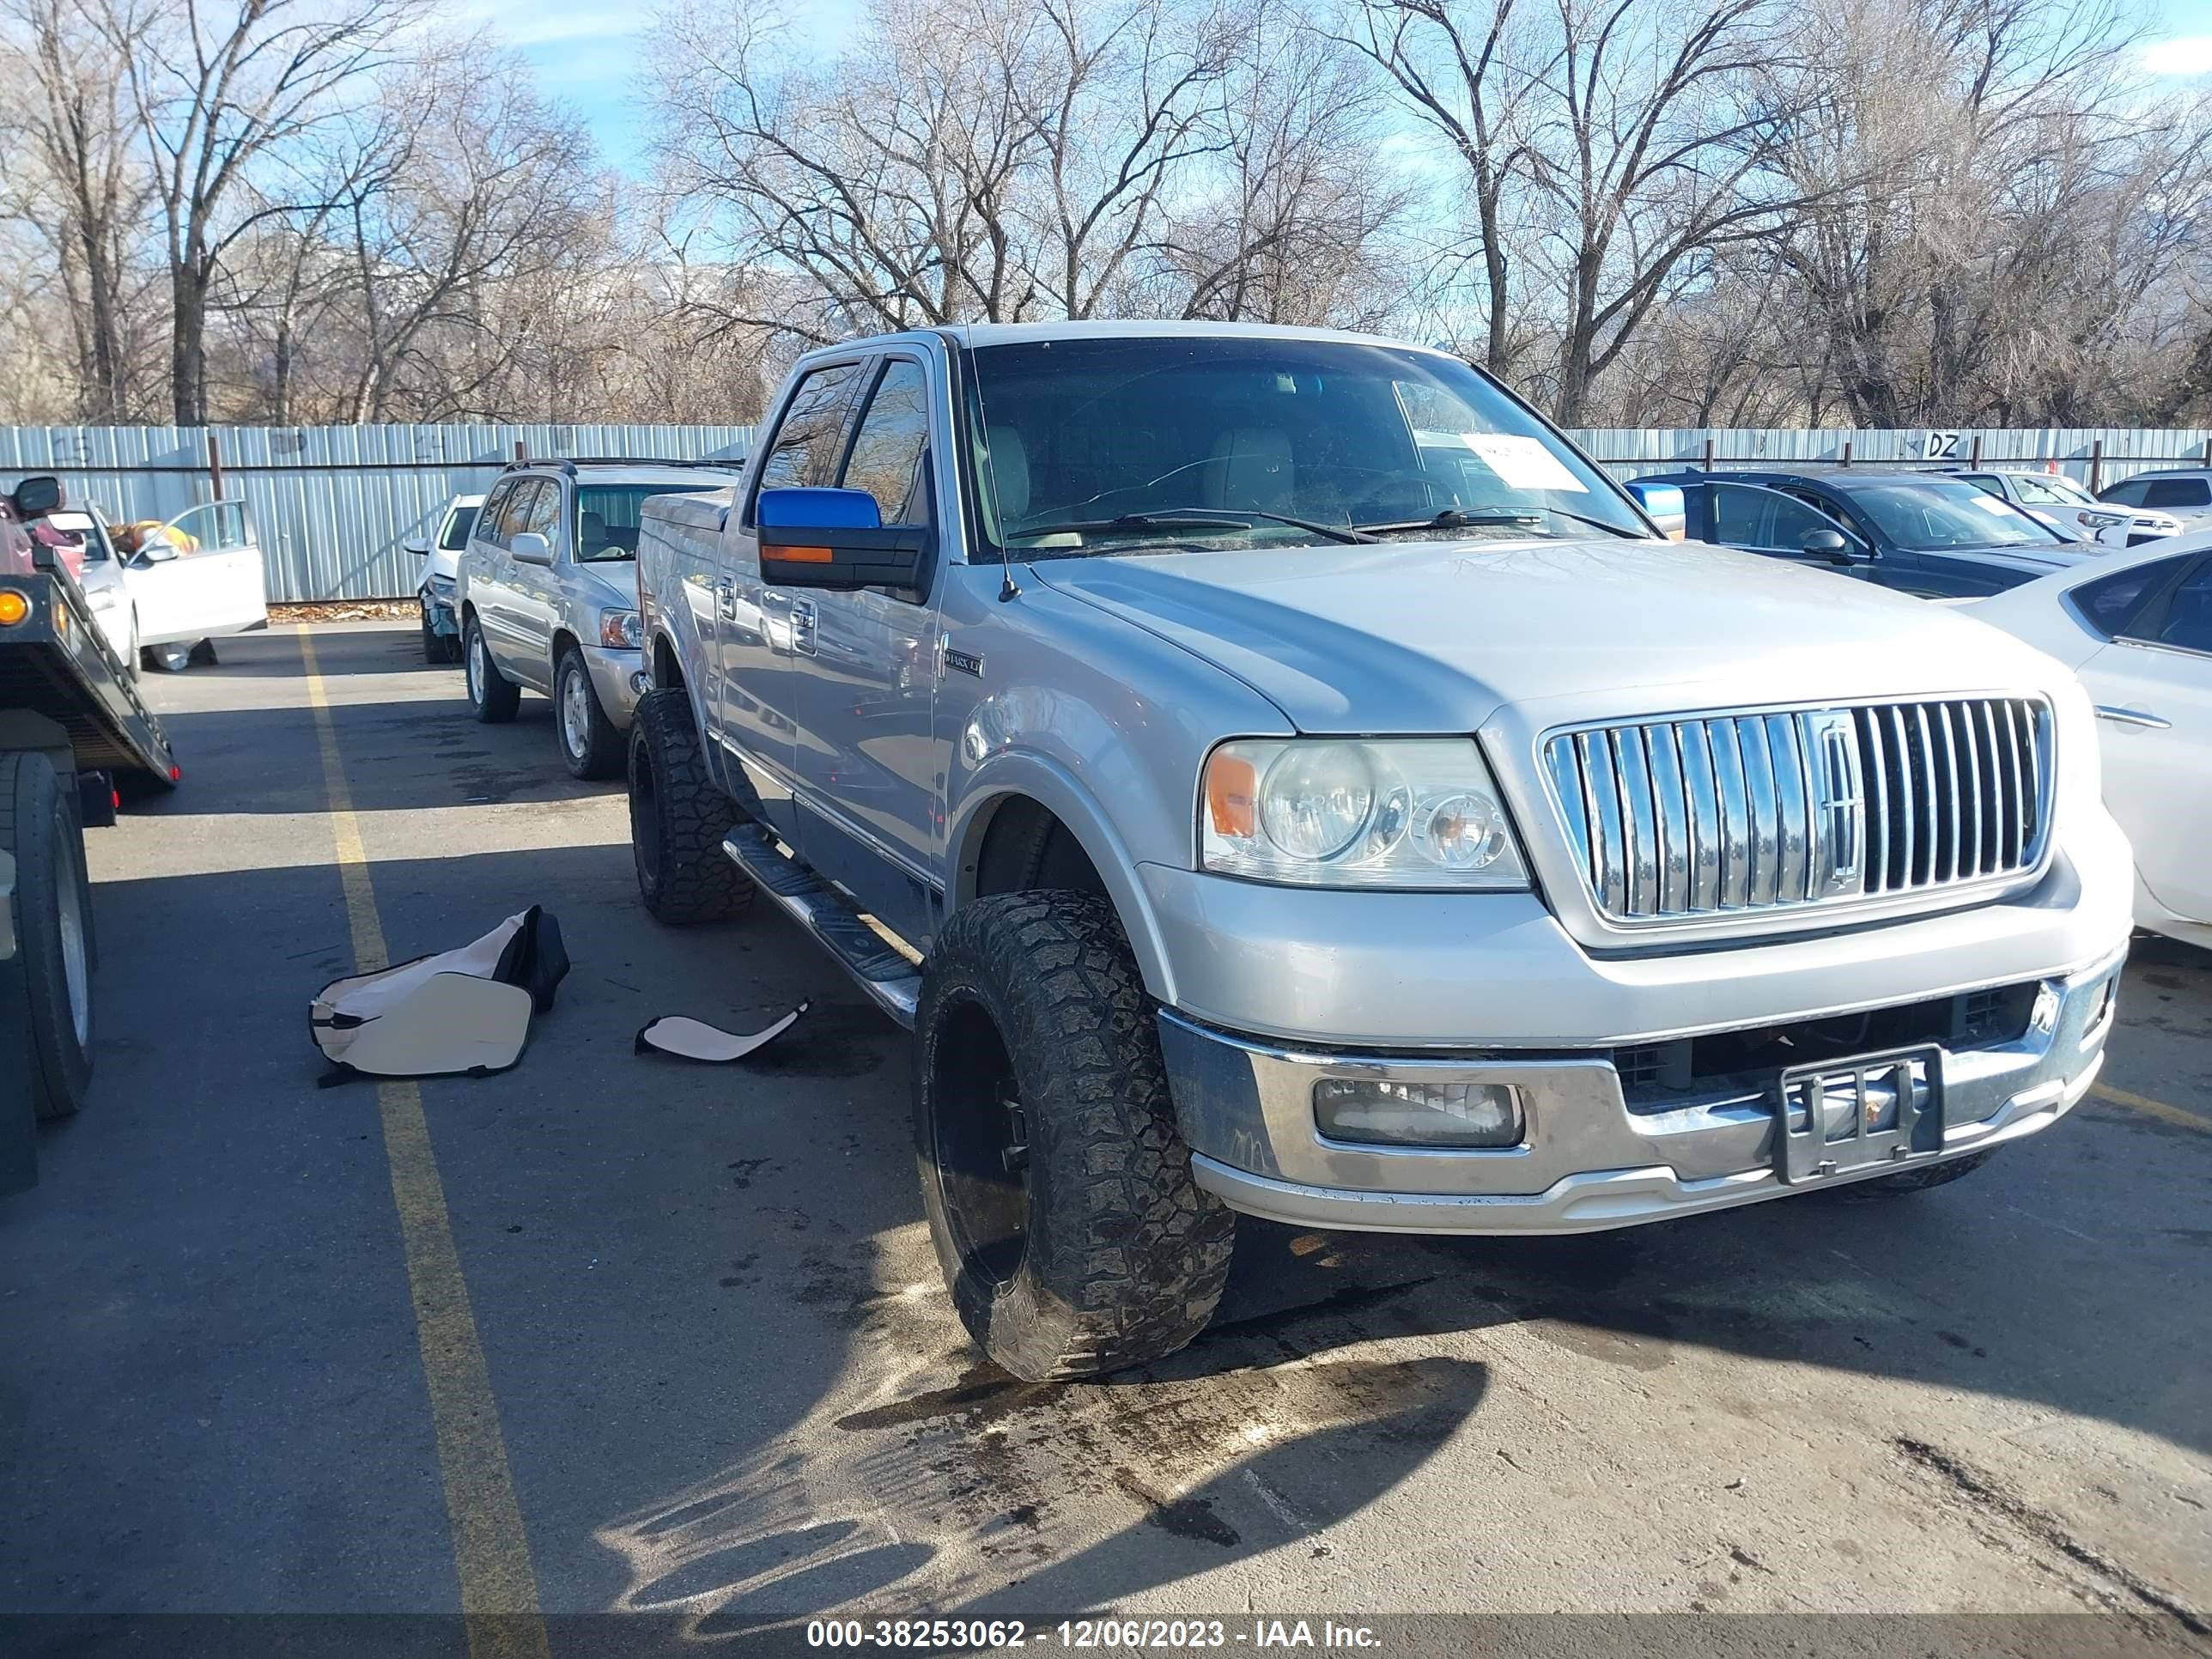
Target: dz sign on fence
pixel 1939 447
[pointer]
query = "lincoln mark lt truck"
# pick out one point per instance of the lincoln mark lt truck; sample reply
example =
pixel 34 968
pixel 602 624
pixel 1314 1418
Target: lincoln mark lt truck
pixel 1274 772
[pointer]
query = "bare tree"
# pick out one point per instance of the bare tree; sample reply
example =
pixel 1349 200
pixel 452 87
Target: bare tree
pixel 86 192
pixel 212 95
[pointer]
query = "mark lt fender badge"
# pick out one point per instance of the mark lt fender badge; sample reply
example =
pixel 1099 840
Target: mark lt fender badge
pixel 963 662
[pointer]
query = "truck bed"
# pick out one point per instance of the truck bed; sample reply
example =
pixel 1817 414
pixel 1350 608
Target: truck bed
pixel 54 662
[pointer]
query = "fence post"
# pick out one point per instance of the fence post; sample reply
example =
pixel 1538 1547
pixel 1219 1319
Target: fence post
pixel 2096 467
pixel 1974 457
pixel 1709 454
pixel 214 462
pixel 1847 451
pixel 519 455
pixel 2208 453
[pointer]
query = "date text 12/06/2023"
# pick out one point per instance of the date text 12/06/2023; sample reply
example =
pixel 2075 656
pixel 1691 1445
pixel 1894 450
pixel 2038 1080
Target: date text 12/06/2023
pixel 1324 1635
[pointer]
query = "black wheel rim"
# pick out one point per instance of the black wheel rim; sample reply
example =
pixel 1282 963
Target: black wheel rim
pixel 980 1135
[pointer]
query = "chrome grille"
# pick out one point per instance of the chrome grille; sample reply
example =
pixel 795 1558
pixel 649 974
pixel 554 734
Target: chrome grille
pixel 1767 809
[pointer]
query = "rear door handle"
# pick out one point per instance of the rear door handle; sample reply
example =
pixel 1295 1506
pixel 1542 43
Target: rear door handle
pixel 2141 717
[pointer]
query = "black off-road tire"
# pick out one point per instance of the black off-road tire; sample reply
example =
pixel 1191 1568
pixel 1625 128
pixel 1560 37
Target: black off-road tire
pixel 1124 1255
pixel 603 750
pixel 1919 1179
pixel 39 824
pixel 677 817
pixel 203 654
pixel 492 696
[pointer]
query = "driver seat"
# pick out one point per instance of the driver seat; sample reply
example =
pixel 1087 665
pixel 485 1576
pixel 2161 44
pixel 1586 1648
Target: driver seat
pixel 1251 467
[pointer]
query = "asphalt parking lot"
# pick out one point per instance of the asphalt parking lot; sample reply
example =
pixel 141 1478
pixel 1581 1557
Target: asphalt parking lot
pixel 609 1334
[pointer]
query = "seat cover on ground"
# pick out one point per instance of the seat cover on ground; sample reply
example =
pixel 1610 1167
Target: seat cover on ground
pixel 424 1018
pixel 686 1038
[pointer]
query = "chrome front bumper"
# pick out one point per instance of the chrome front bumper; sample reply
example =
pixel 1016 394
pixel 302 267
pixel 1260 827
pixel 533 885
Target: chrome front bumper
pixel 1586 1162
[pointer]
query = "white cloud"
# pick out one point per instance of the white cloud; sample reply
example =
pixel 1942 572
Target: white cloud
pixel 2187 54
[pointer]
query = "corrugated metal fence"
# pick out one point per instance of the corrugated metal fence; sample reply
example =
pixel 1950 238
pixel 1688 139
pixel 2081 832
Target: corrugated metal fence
pixel 334 505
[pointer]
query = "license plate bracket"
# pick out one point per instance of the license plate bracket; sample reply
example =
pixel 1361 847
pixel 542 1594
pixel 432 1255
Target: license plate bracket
pixel 1891 1114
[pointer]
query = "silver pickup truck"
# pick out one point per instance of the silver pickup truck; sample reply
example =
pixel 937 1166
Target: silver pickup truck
pixel 1274 771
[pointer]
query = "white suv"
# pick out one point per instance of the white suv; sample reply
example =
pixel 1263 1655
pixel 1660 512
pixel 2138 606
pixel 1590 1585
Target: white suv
pixel 2069 509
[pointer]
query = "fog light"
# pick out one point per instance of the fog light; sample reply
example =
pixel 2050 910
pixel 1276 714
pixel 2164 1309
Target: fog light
pixel 13 607
pixel 1418 1113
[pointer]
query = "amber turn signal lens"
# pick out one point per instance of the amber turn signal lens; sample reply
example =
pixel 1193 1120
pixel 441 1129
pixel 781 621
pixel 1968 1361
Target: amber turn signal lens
pixel 803 554
pixel 1232 795
pixel 13 607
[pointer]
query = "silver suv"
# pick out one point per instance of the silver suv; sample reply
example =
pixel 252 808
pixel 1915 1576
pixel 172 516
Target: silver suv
pixel 547 596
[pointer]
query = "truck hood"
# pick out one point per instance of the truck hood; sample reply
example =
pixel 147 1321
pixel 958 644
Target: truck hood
pixel 1435 637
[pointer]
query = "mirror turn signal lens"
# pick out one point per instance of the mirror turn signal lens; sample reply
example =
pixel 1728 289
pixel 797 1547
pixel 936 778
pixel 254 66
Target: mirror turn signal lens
pixel 13 607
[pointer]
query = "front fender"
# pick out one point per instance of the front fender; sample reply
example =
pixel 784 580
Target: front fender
pixel 1013 773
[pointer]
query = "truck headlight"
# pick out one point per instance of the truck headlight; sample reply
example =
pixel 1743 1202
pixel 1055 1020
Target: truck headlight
pixel 619 630
pixel 2102 520
pixel 1421 812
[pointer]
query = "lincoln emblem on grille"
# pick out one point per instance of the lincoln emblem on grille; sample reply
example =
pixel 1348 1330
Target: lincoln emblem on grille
pixel 1840 803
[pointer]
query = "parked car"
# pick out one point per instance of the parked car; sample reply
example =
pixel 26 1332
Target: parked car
pixel 441 554
pixel 193 580
pixel 1930 534
pixel 1278 811
pixel 547 593
pixel 2070 508
pixel 2138 631
pixel 2183 492
pixel 98 571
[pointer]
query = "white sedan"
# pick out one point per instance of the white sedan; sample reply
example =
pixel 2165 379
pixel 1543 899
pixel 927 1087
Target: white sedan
pixel 2069 509
pixel 196 578
pixel 2137 627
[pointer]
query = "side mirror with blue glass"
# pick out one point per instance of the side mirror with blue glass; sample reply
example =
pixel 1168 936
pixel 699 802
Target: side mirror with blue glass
pixel 834 539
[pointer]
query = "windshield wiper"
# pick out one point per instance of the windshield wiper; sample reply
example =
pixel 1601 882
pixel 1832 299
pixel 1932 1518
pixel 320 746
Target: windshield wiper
pixel 1190 518
pixel 1460 518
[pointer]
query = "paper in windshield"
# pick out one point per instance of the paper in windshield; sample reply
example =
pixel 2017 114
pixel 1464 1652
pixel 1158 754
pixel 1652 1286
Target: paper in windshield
pixel 1523 462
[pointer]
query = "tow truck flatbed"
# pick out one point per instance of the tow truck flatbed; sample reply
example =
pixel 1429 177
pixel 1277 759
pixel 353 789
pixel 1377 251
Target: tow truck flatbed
pixel 54 663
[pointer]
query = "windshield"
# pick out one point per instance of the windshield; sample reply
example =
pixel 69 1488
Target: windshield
pixel 459 523
pixel 1068 436
pixel 607 518
pixel 1926 515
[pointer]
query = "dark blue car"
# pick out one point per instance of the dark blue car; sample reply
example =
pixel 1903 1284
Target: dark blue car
pixel 1936 535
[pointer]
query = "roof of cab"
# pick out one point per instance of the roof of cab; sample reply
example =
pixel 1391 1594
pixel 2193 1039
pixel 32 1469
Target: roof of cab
pixel 993 334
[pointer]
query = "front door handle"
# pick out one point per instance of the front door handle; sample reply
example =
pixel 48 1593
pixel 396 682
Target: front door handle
pixel 802 626
pixel 726 593
pixel 2141 717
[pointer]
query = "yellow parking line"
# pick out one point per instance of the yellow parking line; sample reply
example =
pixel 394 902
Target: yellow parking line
pixel 2157 1108
pixel 499 1594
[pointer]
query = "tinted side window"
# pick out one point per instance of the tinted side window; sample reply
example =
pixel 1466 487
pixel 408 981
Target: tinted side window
pixel 1764 518
pixel 539 511
pixel 805 448
pixel 2188 620
pixel 886 453
pixel 2110 602
pixel 489 517
pixel 2127 494
pixel 2178 492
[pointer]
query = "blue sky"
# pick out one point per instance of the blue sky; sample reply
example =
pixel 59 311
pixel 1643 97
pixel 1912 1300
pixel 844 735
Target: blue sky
pixel 588 53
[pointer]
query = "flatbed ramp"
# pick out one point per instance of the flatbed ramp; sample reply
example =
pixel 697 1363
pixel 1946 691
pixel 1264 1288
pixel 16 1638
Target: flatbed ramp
pixel 54 663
